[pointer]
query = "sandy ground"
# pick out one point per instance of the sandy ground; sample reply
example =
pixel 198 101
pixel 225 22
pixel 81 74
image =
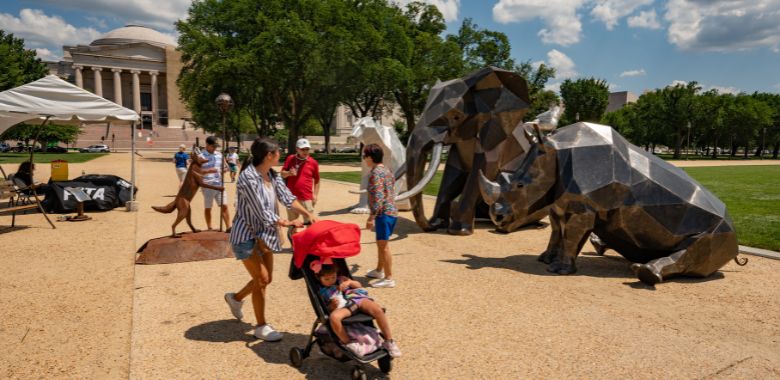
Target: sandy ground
pixel 75 306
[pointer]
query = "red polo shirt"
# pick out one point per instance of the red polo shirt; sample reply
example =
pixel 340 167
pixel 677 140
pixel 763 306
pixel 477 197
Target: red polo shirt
pixel 302 185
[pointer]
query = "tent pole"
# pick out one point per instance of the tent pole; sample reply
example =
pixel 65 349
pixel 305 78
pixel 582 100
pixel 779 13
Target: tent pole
pixel 132 161
pixel 32 148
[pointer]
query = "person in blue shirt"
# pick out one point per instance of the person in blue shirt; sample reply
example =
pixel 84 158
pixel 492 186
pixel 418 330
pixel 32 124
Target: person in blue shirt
pixel 181 159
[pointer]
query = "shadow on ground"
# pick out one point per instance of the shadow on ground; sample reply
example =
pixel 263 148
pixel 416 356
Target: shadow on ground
pixel 588 264
pixel 317 366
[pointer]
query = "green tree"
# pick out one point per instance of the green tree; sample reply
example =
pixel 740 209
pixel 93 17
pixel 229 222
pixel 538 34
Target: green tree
pixel 746 117
pixel 708 117
pixel 771 134
pixel 425 57
pixel 677 111
pixel 585 100
pixel 42 134
pixel 537 78
pixel 482 47
pixel 17 64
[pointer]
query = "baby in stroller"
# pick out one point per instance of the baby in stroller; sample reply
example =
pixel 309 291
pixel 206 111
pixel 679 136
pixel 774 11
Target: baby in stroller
pixel 344 297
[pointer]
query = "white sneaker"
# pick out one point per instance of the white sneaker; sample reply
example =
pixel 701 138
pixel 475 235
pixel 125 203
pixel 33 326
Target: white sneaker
pixel 267 333
pixel 235 305
pixel 373 273
pixel 384 283
pixel 392 348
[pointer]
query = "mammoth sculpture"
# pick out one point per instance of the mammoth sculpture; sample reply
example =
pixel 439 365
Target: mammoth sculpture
pixel 369 131
pixel 475 116
pixel 589 179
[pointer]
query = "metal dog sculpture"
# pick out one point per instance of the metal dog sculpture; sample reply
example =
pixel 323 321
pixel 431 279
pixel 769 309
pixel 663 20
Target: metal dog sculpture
pixel 590 179
pixel 192 181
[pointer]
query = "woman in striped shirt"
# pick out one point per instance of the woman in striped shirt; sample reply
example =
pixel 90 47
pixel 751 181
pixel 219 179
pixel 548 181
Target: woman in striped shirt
pixel 255 233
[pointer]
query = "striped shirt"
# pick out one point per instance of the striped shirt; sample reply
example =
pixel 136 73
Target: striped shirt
pixel 256 213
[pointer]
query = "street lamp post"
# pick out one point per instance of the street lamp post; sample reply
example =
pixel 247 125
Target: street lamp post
pixel 224 104
pixel 763 142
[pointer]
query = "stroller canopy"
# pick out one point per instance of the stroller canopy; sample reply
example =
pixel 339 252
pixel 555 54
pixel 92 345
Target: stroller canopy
pixel 326 239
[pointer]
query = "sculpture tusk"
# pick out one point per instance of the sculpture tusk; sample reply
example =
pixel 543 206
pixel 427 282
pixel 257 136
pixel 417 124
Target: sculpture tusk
pixel 434 165
pixel 400 172
pixel 490 190
pixel 361 191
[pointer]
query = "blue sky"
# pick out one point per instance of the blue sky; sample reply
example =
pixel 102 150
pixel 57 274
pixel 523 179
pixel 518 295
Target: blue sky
pixel 635 45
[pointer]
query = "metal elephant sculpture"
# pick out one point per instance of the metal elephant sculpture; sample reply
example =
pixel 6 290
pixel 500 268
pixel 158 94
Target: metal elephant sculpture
pixel 475 116
pixel 369 131
pixel 589 179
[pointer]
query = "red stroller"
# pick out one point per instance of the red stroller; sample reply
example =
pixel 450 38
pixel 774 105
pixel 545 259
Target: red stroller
pixel 335 241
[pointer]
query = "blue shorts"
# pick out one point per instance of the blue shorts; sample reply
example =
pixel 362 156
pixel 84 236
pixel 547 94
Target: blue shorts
pixel 384 226
pixel 243 250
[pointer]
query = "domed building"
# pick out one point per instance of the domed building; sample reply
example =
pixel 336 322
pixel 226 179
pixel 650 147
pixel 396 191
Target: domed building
pixel 134 66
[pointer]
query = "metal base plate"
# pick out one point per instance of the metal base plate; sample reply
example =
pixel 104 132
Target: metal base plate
pixel 190 246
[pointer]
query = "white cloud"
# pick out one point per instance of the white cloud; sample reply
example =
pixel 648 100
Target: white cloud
pixel 39 30
pixel 554 87
pixel 633 73
pixel 152 13
pixel 724 25
pixel 645 19
pixel 613 86
pixel 98 22
pixel 722 89
pixel 563 65
pixel 562 23
pixel 678 82
pixel 46 54
pixel 611 11
pixel 777 86
pixel 448 8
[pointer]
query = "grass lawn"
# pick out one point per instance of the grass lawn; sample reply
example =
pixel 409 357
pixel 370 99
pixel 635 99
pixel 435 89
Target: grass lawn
pixel 45 158
pixel 751 193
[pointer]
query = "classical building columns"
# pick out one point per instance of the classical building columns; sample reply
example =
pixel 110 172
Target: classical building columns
pixel 136 91
pixel 98 80
pixel 155 97
pixel 117 86
pixel 79 78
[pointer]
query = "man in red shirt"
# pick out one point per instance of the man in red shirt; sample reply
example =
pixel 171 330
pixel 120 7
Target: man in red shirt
pixel 302 175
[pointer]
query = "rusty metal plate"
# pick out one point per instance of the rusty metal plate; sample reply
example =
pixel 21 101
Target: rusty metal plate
pixel 198 246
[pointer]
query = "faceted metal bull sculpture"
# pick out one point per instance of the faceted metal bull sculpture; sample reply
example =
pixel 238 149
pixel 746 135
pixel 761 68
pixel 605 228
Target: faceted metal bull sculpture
pixel 591 180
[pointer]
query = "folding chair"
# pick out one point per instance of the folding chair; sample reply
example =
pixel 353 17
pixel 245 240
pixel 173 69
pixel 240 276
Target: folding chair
pixel 9 190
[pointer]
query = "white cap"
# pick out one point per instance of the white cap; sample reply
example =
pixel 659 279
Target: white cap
pixel 302 143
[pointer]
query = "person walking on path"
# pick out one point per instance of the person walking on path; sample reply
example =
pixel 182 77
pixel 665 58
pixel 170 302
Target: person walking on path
pixel 384 214
pixel 181 159
pixel 302 174
pixel 255 234
pixel 232 161
pixel 212 174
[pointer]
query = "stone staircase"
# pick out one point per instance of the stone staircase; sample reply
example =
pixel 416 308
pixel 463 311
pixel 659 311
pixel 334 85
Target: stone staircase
pixel 163 138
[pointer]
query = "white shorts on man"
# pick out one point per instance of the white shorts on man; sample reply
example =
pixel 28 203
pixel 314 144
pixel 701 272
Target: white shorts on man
pixel 210 195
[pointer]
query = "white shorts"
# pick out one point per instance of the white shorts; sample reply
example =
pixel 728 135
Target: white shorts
pixel 181 172
pixel 210 195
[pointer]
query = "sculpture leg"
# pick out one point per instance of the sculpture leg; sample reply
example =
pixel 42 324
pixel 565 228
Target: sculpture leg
pixel 598 244
pixel 189 220
pixel 451 186
pixel 577 224
pixel 464 209
pixel 554 245
pixel 701 258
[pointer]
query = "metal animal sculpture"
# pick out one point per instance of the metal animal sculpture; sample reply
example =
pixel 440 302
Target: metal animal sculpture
pixel 369 131
pixel 588 178
pixel 475 116
pixel 189 187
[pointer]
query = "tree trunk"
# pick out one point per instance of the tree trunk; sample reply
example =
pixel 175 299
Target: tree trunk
pixel 747 148
pixel 715 148
pixel 776 151
pixel 678 143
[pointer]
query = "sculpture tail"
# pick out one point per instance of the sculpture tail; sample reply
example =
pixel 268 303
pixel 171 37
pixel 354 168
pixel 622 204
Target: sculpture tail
pixel 167 209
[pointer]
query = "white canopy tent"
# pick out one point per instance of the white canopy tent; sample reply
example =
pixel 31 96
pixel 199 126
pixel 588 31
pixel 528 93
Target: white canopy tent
pixel 51 98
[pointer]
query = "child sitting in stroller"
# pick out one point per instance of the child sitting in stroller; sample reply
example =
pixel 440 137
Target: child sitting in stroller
pixel 344 297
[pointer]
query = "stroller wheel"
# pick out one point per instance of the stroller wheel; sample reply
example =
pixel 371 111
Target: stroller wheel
pixel 386 363
pixel 358 373
pixel 296 357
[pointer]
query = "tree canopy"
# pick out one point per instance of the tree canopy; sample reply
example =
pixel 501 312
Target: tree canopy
pixel 17 64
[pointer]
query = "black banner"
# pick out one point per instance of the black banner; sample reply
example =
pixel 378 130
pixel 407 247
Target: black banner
pixel 107 192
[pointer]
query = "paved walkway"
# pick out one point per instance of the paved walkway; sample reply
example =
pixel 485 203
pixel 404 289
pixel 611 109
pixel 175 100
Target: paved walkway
pixel 75 306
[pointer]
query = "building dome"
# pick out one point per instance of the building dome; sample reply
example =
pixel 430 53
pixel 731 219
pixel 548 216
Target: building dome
pixel 134 33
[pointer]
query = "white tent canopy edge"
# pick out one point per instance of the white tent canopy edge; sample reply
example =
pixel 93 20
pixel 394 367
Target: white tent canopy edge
pixel 57 100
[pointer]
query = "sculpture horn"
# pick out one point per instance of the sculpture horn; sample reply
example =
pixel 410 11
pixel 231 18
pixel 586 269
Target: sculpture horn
pixel 433 166
pixel 490 190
